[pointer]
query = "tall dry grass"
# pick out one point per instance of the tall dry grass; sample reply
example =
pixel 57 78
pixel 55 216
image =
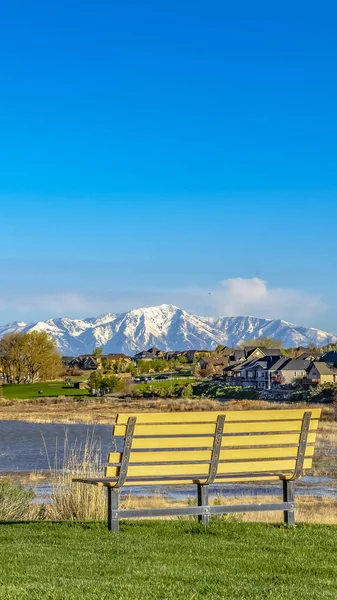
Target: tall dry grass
pixel 76 501
pixel 15 501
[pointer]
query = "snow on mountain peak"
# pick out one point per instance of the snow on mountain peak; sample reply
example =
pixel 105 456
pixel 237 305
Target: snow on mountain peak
pixel 167 327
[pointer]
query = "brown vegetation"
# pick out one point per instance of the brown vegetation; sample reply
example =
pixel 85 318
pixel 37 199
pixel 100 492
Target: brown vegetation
pixel 103 410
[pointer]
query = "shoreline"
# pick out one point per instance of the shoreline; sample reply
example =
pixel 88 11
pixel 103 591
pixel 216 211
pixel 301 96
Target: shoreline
pixel 103 411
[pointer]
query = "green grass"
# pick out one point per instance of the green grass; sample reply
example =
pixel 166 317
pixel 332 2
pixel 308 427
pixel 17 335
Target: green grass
pixel 31 390
pixel 167 560
pixel 165 384
pixel 211 389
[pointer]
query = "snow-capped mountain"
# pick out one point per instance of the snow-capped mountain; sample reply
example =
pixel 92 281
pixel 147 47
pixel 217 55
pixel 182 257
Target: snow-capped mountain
pixel 168 328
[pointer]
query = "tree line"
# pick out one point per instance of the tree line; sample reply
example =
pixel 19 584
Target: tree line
pixel 26 357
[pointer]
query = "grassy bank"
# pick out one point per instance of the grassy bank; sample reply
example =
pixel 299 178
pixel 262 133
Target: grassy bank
pixel 168 560
pixel 103 410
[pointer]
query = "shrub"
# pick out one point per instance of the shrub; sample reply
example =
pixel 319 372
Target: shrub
pixel 187 391
pixel 14 501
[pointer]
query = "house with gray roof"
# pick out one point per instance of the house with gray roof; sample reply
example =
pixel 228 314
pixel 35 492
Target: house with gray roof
pixel 322 372
pixel 329 357
pixel 288 371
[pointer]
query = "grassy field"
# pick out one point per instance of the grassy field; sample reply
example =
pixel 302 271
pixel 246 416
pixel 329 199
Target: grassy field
pixel 212 389
pixel 166 384
pixel 31 390
pixel 167 560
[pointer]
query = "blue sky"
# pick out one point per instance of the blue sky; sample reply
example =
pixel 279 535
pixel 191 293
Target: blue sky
pixel 180 152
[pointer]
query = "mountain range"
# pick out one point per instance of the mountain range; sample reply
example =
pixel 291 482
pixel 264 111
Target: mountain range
pixel 168 328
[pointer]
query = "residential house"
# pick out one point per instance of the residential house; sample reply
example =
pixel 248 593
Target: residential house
pixel 84 362
pixel 109 360
pixel 238 355
pixel 215 364
pixel 266 372
pixel 250 352
pixel 246 366
pixel 309 356
pixel 173 354
pixel 66 360
pixel 232 373
pixel 288 371
pixel 150 354
pixel 321 372
pixel 156 352
pixel 143 355
pixel 257 372
pixel 258 352
pixel 329 357
pixel 226 351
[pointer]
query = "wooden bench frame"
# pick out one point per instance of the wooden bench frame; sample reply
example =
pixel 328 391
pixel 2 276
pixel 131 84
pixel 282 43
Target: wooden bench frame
pixel 203 510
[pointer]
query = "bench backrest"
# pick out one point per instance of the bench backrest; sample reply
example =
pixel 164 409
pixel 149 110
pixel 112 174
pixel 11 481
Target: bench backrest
pixel 213 446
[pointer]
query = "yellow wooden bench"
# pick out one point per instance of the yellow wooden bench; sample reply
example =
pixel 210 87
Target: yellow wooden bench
pixel 203 448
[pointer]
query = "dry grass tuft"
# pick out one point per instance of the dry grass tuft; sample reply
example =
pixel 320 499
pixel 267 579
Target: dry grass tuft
pixel 15 501
pixel 75 501
pixel 104 410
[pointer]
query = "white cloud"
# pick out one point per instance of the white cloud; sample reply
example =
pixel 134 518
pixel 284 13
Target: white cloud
pixel 230 297
pixel 53 304
pixel 234 297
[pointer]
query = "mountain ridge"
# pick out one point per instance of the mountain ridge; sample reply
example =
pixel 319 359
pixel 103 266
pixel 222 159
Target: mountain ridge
pixel 169 328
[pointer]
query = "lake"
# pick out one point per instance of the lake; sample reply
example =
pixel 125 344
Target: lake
pixel 26 447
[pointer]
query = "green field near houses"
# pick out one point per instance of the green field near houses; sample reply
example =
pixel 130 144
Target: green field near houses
pixel 167 560
pixel 31 390
pixel 166 384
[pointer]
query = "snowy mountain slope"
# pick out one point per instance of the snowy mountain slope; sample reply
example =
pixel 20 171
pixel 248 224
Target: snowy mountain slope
pixel 168 328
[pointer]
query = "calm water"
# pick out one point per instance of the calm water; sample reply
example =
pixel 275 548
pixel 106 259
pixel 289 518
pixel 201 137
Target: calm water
pixel 26 447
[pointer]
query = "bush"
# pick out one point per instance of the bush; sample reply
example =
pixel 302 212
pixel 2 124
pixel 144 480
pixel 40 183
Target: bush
pixel 187 391
pixel 14 501
pixel 105 385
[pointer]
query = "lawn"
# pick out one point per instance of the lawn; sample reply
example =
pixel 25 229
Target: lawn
pixel 166 384
pixel 167 560
pixel 31 390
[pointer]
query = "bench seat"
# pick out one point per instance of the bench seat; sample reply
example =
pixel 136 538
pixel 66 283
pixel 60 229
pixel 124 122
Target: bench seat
pixel 205 448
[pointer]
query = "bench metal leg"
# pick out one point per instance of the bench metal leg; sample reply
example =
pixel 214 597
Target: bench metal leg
pixel 203 501
pixel 289 496
pixel 113 521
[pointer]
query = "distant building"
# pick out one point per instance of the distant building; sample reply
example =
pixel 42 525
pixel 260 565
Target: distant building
pixel 322 372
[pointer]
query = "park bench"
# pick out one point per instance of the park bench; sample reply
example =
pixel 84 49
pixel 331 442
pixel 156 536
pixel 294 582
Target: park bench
pixel 205 448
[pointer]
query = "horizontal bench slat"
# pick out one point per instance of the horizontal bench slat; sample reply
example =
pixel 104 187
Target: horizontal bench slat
pixel 211 416
pixel 203 469
pixel 227 441
pixel 197 510
pixel 209 428
pixel 205 455
pixel 186 480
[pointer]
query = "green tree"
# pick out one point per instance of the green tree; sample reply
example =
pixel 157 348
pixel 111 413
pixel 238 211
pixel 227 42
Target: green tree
pixel 159 365
pixel 182 360
pixel 94 381
pixel 262 341
pixel 25 357
pixel 98 351
pixel 105 384
pixel 13 358
pixel 42 358
pixel 187 391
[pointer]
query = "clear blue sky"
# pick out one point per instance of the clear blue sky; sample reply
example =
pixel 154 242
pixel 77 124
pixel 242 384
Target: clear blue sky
pixel 151 150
